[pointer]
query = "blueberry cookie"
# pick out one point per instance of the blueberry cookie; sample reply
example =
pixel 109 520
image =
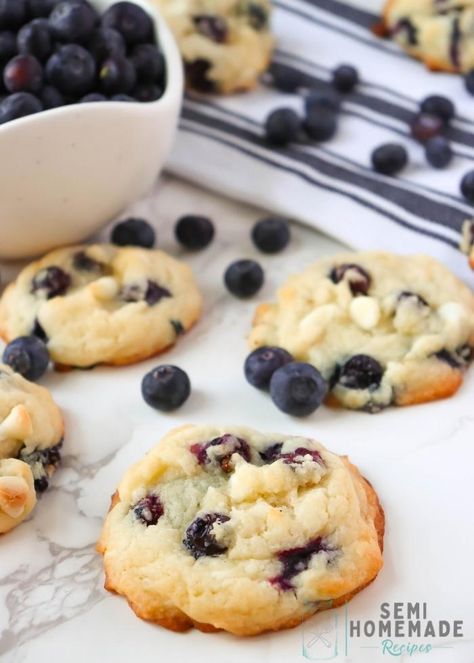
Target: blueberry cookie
pixel 439 32
pixel 467 244
pixel 382 329
pixel 226 44
pixel 227 528
pixel 101 304
pixel 31 432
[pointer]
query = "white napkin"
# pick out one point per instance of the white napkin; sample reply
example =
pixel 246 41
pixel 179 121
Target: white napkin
pixel 331 186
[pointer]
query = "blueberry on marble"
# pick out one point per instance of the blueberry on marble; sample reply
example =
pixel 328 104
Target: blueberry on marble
pixel 166 387
pixel 438 105
pixel 345 78
pixel 389 159
pixel 51 282
pixel 230 445
pixel 361 372
pixel 359 278
pixel 298 389
pixel 19 105
pixel 131 21
pixel 282 126
pixel 27 355
pixel 271 235
pixel 296 560
pixel 262 363
pixel 194 232
pixel 134 232
pixel 73 21
pixel 148 510
pixel 211 26
pixel 152 293
pixel 438 152
pixel 199 538
pixel 244 278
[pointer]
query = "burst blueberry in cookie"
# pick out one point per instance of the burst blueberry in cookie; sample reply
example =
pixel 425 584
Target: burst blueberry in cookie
pixel 284 529
pixel 381 329
pixel 101 303
pixel 436 32
pixel 31 432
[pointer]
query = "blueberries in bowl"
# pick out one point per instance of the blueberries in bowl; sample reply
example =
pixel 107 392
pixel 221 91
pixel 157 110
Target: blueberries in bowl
pixel 61 52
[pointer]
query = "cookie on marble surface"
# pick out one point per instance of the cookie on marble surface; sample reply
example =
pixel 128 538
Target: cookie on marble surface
pixel 228 528
pixel 467 243
pixel 437 32
pixel 225 44
pixel 31 433
pixel 101 304
pixel 382 329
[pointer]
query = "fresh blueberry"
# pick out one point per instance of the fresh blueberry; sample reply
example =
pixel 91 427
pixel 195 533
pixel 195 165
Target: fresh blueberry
pixel 133 232
pixel 361 372
pixel 271 235
pixel 84 263
pixel 27 355
pixel 166 388
pixel 438 105
pixel 148 510
pixel 122 97
pixel 262 363
pixel 469 81
pixel 345 78
pixel 389 159
pixel 328 99
pixel 284 78
pixel 320 124
pixel 146 92
pixel 106 43
pixel 149 63
pixel 12 14
pixel 51 281
pixel 282 126
pixel 244 278
pixel 359 278
pixel 194 232
pixel 19 105
pixel 133 23
pixel 223 448
pixel 197 76
pixel 73 21
pixel 438 152
pixel 150 292
pixel 51 97
pixel 298 389
pixel 71 69
pixel 426 126
pixel 40 8
pixel 213 27
pixel 8 46
pixel 92 97
pixel 467 186
pixel 23 73
pixel 297 560
pixel 35 39
pixel 199 538
pixel 117 75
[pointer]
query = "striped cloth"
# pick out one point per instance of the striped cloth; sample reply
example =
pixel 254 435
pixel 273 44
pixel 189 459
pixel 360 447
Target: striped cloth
pixel 331 186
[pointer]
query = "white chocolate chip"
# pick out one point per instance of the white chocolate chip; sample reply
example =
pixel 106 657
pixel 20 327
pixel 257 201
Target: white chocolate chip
pixel 313 326
pixel 426 346
pixel 104 288
pixel 17 425
pixel 411 315
pixel 457 323
pixel 365 311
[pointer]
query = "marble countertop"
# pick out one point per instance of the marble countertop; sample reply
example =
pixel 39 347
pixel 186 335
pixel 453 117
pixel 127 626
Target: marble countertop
pixel 52 603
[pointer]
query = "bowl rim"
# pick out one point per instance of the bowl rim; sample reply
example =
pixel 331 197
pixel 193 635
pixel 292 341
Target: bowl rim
pixel 174 79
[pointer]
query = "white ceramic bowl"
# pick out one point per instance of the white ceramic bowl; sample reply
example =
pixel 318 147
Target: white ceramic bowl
pixel 67 171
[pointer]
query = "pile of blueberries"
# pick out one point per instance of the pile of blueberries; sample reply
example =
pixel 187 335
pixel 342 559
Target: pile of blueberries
pixel 59 52
pixel 430 125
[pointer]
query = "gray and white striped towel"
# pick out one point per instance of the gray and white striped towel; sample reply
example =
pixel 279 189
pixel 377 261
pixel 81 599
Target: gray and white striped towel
pixel 331 186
